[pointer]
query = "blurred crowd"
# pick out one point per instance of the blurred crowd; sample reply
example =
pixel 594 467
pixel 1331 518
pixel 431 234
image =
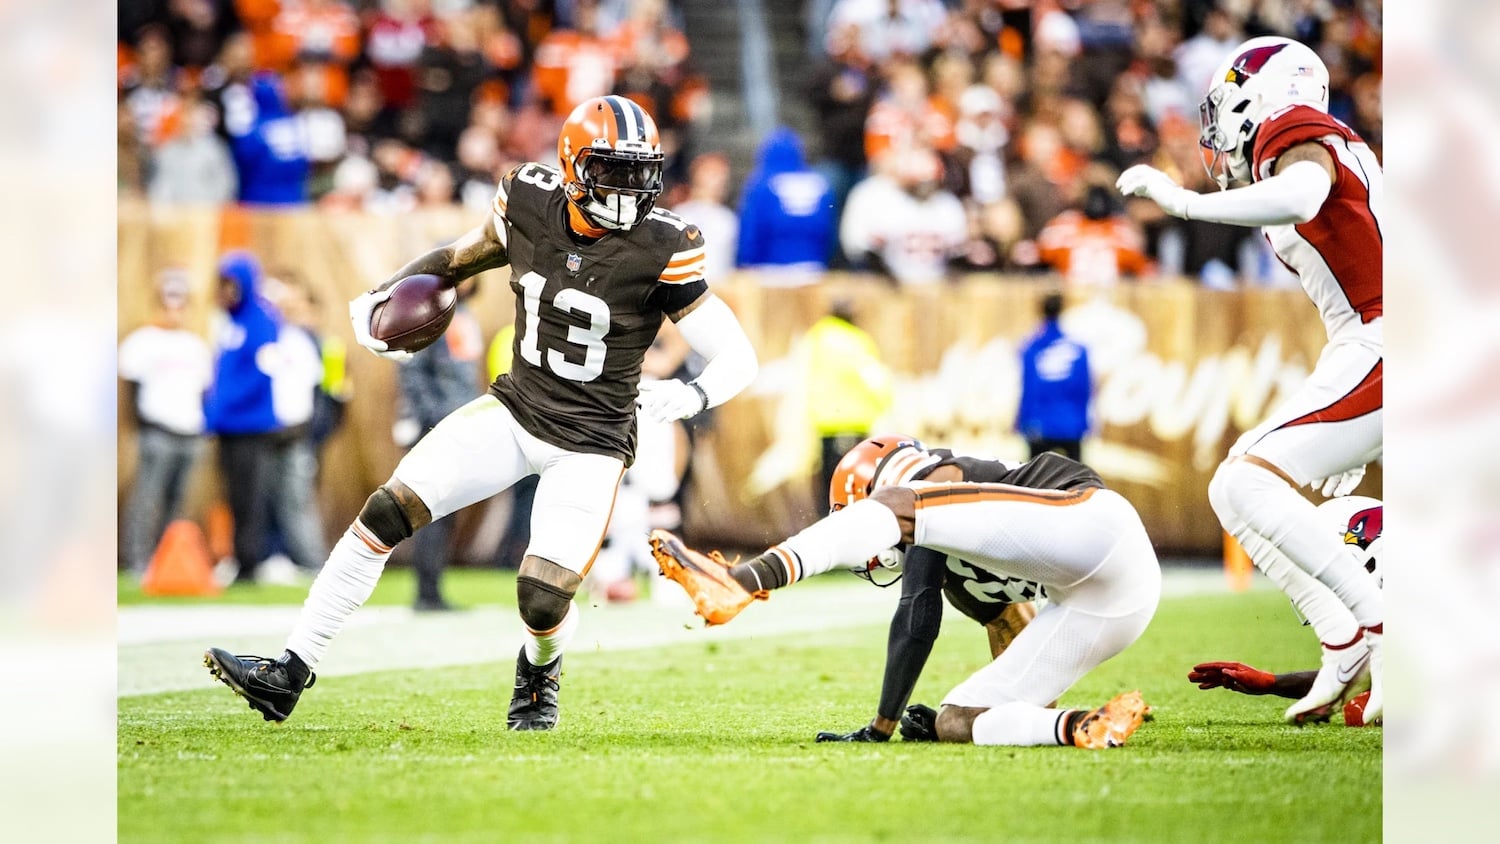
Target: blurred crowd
pixel 967 135
pixel 379 105
pixel 987 134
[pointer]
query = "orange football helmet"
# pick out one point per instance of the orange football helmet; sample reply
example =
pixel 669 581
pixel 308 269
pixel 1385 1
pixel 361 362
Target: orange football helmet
pixel 885 460
pixel 611 160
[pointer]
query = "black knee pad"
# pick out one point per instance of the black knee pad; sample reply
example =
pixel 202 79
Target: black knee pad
pixel 385 518
pixel 543 605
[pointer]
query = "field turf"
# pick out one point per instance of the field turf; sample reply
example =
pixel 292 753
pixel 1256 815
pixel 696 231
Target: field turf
pixel 712 741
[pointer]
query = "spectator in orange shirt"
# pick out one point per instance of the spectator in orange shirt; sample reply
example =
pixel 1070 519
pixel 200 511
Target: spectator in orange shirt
pixel 320 39
pixel 905 116
pixel 573 65
pixel 1095 245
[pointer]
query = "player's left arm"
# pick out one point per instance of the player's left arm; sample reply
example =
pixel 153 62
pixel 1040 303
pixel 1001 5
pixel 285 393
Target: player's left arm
pixel 1238 677
pixel 712 330
pixel 1303 178
pixel 914 629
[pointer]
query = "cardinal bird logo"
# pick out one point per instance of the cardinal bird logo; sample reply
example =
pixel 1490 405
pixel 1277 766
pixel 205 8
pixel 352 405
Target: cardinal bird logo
pixel 1250 63
pixel 1364 527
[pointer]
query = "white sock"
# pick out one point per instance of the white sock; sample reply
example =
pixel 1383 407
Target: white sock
pixel 841 540
pixel 1019 724
pixel 344 584
pixel 1250 499
pixel 1329 618
pixel 542 648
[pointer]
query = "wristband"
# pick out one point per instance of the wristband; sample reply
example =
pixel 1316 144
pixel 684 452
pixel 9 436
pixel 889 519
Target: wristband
pixel 701 394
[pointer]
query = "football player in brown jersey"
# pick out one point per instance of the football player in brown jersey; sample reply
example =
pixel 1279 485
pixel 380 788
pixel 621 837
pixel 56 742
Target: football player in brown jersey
pixel 595 268
pixel 985 533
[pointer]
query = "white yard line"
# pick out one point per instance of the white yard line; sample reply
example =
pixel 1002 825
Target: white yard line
pixel 161 648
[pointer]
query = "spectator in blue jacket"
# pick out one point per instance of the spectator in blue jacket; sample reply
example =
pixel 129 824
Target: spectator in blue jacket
pixel 787 217
pixel 1055 387
pixel 241 409
pixel 270 148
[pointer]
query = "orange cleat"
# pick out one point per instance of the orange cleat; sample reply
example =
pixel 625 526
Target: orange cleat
pixel 717 595
pixel 1112 723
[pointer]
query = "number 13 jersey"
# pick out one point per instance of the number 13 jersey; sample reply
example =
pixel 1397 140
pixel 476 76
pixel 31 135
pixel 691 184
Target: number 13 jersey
pixel 586 311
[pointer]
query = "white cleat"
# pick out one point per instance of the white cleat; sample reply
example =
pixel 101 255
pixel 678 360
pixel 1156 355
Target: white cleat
pixel 1344 674
pixel 1375 707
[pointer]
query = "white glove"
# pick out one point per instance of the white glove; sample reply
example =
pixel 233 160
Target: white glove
pixel 359 316
pixel 669 401
pixel 1338 486
pixel 1145 180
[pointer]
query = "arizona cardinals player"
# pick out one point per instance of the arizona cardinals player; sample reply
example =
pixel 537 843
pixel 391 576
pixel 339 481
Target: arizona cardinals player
pixel 595 268
pixel 1048 524
pixel 1316 188
pixel 1359 521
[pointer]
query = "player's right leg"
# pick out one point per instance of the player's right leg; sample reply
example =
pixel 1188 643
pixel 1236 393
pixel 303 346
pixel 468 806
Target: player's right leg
pixel 841 539
pixel 574 499
pixel 469 456
pixel 1007 701
pixel 1332 424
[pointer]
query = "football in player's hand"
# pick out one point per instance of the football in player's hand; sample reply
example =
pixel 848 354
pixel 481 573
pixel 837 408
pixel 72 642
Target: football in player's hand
pixel 416 314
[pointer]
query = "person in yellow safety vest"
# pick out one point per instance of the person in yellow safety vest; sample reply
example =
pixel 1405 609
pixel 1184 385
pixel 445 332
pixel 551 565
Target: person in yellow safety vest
pixel 849 387
pixel 501 353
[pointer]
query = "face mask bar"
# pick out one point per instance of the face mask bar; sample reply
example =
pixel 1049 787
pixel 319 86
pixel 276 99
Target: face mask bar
pixel 624 185
pixel 1211 137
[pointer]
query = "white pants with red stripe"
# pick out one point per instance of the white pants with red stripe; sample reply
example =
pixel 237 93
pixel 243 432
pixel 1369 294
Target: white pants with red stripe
pixel 480 450
pixel 1087 547
pixel 1334 422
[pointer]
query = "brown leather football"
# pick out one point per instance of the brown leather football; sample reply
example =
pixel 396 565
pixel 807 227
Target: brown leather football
pixel 417 313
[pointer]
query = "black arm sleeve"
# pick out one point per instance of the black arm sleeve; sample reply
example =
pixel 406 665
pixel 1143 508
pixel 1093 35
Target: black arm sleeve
pixel 1294 685
pixel 672 298
pixel 914 627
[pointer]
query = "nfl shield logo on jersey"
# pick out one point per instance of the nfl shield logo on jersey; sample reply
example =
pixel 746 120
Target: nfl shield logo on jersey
pixel 574 262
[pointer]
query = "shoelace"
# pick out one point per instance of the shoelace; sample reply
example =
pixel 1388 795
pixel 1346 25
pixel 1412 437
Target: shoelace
pixel 535 682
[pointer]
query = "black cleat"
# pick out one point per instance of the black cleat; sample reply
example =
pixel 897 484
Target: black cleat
pixel 533 706
pixel 268 685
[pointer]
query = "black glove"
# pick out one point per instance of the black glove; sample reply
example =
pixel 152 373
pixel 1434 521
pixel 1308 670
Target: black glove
pixel 865 733
pixel 919 723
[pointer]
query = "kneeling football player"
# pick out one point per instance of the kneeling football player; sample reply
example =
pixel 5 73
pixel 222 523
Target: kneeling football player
pixel 1048 522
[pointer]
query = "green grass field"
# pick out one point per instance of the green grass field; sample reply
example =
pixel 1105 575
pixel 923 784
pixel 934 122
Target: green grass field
pixel 712 741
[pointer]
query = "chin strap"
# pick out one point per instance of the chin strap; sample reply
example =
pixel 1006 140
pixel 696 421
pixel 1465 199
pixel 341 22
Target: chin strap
pixel 869 576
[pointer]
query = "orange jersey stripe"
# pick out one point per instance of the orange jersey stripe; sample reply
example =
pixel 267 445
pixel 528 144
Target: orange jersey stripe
pixel 945 494
pixel 686 259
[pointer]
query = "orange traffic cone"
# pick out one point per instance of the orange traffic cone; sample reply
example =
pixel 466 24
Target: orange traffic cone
pixel 181 565
pixel 1237 564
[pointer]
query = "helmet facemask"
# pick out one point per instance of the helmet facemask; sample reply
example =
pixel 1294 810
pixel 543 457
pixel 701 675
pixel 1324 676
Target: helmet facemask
pixel 618 188
pixel 874 463
pixel 1230 162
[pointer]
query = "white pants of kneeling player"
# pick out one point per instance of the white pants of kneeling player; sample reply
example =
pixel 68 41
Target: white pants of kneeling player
pixel 480 450
pixel 1103 584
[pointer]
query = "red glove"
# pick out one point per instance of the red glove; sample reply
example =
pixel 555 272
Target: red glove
pixel 1235 676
